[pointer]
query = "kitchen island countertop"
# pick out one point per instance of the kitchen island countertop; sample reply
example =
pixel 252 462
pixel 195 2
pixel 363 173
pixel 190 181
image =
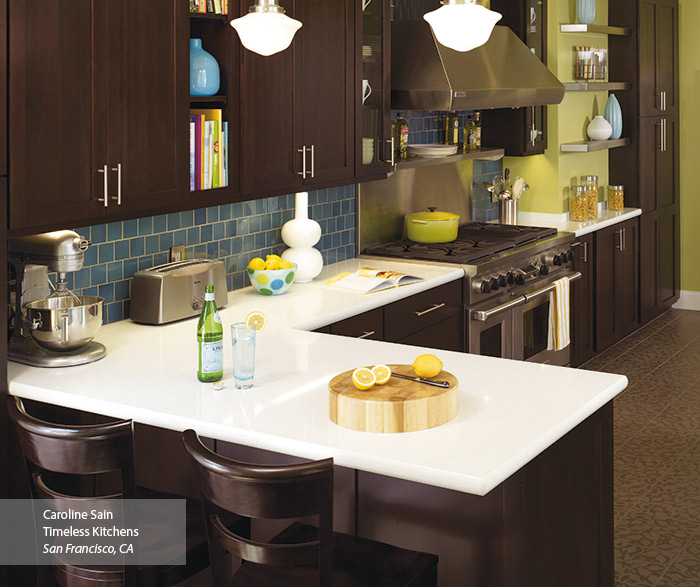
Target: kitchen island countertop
pixel 509 411
pixel 563 223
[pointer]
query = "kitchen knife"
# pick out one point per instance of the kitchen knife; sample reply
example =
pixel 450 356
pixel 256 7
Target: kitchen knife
pixel 422 380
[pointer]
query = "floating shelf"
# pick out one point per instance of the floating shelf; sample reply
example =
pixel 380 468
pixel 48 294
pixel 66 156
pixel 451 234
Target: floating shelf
pixel 218 99
pixel 210 16
pixel 595 28
pixel 596 86
pixel 483 154
pixel 588 146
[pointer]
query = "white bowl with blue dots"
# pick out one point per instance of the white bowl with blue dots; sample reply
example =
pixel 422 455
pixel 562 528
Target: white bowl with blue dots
pixel 272 282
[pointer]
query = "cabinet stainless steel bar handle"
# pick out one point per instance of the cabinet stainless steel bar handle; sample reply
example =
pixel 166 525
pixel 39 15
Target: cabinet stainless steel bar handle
pixel 105 183
pixel 313 160
pixel 391 143
pixel 619 239
pixel 663 100
pixel 431 309
pixel 664 138
pixel 585 249
pixel 549 288
pixel 303 162
pixel 624 239
pixel 366 334
pixel 118 198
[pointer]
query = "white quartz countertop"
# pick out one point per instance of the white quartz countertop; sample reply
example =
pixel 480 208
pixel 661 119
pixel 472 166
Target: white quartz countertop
pixel 509 411
pixel 563 223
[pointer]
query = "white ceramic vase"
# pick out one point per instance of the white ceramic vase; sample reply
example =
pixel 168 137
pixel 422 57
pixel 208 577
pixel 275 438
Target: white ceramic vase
pixel 599 129
pixel 301 234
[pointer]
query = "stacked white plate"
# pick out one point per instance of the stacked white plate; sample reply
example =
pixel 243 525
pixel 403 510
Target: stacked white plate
pixel 432 150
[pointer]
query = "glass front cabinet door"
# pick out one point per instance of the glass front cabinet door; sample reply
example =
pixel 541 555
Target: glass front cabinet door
pixel 373 151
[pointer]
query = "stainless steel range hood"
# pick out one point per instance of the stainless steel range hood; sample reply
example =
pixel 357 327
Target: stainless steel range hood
pixel 503 73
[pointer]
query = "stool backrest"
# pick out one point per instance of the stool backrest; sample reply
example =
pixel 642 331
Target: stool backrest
pixel 270 492
pixel 74 450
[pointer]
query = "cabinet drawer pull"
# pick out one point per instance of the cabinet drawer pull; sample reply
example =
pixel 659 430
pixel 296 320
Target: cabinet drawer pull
pixel 391 142
pixel 313 160
pixel 366 334
pixel 303 162
pixel 118 198
pixel 105 183
pixel 431 309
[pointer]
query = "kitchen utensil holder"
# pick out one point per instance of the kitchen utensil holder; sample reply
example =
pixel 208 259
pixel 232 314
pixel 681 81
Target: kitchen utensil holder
pixel 509 211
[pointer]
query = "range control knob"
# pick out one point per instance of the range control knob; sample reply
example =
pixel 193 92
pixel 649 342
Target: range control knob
pixel 485 287
pixel 520 279
pixel 510 277
pixel 502 281
pixel 557 260
pixel 544 270
pixel 569 255
pixel 494 284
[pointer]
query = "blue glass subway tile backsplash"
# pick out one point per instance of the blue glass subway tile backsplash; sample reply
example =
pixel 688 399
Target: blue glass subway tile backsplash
pixel 232 233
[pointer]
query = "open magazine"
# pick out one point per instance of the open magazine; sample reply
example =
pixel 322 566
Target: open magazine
pixel 368 280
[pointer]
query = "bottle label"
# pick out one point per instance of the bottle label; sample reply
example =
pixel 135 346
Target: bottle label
pixel 209 296
pixel 217 318
pixel 212 356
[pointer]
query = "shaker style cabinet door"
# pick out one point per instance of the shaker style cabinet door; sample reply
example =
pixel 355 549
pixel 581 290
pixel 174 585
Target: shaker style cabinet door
pixel 582 302
pixel 658 57
pixel 146 104
pixel 56 112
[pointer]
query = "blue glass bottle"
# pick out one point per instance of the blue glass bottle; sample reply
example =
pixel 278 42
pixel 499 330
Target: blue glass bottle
pixel 613 114
pixel 205 77
pixel 585 11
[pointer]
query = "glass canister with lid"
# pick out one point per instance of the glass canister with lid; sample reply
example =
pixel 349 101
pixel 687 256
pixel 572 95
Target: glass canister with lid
pixel 590 183
pixel 616 197
pixel 579 204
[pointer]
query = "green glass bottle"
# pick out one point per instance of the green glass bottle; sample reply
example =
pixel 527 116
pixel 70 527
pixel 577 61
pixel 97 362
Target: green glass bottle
pixel 399 132
pixel 210 340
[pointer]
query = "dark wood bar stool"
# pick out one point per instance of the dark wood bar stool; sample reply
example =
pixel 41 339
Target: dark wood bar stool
pixel 301 554
pixel 66 454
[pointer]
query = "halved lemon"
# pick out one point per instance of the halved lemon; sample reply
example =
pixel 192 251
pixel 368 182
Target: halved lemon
pixel 382 374
pixel 256 321
pixel 363 378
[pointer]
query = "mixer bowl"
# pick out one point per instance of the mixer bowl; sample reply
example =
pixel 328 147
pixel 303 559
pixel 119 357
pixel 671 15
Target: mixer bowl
pixel 65 323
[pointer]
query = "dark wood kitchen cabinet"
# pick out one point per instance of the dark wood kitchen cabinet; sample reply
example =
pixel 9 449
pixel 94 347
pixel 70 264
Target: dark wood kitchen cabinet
pixel 583 302
pixel 616 282
pixel 368 325
pixel 298 106
pixel 520 131
pixel 97 93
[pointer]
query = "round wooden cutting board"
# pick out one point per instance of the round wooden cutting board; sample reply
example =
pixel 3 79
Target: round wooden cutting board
pixel 399 405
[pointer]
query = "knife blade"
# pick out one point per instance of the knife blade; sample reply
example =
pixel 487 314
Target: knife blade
pixel 422 380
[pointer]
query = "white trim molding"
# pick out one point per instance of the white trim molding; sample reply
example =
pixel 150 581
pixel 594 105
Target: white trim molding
pixel 688 300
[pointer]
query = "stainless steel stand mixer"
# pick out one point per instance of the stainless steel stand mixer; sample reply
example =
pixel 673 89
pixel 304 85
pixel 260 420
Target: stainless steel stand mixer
pixel 52 329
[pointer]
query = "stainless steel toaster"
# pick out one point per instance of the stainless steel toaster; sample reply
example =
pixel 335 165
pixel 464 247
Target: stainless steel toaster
pixel 174 291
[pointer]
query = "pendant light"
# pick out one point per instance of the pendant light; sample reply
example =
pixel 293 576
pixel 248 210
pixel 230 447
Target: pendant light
pixel 462 25
pixel 265 29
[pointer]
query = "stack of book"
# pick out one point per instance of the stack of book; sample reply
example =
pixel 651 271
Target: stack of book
pixel 211 6
pixel 208 149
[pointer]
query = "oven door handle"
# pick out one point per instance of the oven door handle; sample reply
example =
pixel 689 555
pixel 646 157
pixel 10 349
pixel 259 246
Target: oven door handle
pixel 549 288
pixel 484 315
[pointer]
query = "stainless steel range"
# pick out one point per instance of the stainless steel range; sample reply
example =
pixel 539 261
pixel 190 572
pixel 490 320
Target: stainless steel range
pixel 510 272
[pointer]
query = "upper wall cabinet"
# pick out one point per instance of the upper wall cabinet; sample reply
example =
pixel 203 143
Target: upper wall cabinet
pixel 96 95
pixel 298 106
pixel 658 47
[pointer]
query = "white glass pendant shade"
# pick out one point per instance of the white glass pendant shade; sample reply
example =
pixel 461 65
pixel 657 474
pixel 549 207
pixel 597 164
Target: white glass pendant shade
pixel 462 25
pixel 266 29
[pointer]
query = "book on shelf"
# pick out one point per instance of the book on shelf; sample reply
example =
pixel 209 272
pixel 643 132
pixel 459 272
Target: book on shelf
pixel 207 155
pixel 224 152
pixel 193 150
pixel 369 280
pixel 214 148
pixel 198 147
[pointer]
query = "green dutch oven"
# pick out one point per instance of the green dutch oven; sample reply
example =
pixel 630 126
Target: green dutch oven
pixel 432 226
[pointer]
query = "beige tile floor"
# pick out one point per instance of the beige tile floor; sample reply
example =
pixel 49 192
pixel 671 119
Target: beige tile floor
pixel 657 452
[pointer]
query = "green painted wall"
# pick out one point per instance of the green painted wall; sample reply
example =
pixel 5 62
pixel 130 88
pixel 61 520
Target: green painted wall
pixel 689 142
pixel 551 175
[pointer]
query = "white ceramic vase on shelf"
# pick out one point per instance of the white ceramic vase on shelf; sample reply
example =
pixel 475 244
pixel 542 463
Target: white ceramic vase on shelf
pixel 301 234
pixel 599 129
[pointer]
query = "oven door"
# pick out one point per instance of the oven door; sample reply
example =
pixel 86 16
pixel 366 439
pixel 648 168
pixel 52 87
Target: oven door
pixel 531 327
pixel 490 327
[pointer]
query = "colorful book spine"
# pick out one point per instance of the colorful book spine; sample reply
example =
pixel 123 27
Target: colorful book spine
pixel 207 154
pixel 202 6
pixel 225 152
pixel 198 151
pixel 215 154
pixel 192 152
pixel 217 7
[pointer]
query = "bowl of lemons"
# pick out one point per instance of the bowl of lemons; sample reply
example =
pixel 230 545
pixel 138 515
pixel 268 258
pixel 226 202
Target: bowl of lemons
pixel 272 276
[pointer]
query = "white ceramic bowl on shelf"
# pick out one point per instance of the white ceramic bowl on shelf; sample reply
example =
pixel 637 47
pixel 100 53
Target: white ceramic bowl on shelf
pixel 432 150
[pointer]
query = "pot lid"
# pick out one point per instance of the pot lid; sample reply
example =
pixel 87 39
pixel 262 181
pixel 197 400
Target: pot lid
pixel 432 214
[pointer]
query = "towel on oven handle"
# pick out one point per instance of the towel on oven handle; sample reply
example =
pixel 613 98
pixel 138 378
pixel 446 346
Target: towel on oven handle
pixel 559 324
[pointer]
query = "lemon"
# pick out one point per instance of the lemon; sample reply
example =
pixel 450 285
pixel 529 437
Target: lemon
pixel 257 264
pixel 256 321
pixel 272 264
pixel 382 374
pixel 427 366
pixel 273 256
pixel 285 265
pixel 363 378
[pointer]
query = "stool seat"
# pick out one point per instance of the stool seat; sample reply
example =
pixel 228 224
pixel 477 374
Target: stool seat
pixel 357 562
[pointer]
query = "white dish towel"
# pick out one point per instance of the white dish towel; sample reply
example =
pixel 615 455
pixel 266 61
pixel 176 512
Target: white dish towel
pixel 559 323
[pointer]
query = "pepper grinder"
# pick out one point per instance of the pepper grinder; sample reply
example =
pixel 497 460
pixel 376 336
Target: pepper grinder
pixel 301 234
